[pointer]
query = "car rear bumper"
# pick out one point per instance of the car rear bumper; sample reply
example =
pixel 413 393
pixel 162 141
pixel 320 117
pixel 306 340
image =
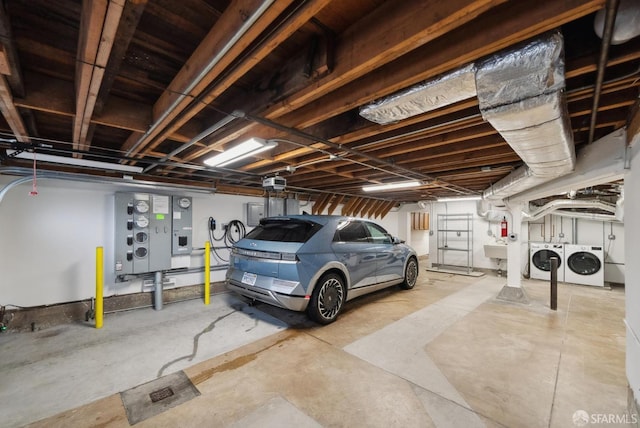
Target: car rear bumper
pixel 294 303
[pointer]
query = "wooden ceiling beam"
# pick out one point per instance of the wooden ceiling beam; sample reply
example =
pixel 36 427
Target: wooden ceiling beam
pixel 322 203
pixel 199 71
pixel 98 25
pixel 11 113
pixel 12 69
pixel 51 96
pixel 346 208
pixel 508 24
pixel 127 26
pixel 403 26
pixel 337 200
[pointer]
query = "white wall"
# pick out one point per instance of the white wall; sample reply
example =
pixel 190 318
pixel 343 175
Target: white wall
pixel 484 232
pixel 632 255
pixel 47 242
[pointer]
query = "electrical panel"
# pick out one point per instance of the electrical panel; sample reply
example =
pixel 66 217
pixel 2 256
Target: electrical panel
pixel 145 225
pixel 182 226
pixel 255 212
pixel 275 207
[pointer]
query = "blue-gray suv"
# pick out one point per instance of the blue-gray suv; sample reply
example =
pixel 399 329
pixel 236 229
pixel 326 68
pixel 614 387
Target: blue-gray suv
pixel 316 263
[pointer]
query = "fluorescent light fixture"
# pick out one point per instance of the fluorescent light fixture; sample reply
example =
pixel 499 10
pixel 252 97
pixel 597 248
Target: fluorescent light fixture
pixel 390 186
pixel 461 198
pixel 243 150
pixel 77 162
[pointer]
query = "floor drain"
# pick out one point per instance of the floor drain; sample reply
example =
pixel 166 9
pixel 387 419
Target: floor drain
pixel 161 394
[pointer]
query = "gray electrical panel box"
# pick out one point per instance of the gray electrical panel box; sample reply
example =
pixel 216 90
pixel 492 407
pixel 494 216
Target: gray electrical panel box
pixel 255 212
pixel 182 226
pixel 291 206
pixel 275 207
pixel 143 232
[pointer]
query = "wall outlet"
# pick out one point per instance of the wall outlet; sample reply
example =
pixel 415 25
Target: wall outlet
pixel 612 237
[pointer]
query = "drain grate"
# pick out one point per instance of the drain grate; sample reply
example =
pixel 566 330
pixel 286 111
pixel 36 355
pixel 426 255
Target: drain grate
pixel 157 396
pixel 161 394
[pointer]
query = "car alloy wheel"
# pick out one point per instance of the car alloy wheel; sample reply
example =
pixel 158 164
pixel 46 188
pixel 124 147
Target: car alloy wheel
pixel 410 274
pixel 327 299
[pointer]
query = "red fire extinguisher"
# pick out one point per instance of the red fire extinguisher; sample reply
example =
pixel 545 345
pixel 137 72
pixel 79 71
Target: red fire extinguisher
pixel 503 227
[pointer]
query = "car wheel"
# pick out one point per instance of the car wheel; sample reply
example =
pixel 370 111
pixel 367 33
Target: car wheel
pixel 327 299
pixel 410 274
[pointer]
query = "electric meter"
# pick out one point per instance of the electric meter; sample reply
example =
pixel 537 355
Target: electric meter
pixel 184 203
pixel 142 207
pixel 142 221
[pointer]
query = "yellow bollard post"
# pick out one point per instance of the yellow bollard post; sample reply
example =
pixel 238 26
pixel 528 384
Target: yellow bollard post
pixel 207 271
pixel 99 286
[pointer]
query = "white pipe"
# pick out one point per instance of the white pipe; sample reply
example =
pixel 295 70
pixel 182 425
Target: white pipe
pixel 212 63
pixel 13 184
pixel 558 204
pixel 83 178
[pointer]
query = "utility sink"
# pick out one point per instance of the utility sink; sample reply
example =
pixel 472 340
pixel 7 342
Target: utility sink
pixel 495 251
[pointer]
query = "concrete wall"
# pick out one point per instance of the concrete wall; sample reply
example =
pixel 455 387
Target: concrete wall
pixel 632 255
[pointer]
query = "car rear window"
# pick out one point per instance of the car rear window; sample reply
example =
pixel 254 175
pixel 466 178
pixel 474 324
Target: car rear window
pixel 284 231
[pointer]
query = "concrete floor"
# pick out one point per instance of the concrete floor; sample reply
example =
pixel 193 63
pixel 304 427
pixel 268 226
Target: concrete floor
pixel 445 354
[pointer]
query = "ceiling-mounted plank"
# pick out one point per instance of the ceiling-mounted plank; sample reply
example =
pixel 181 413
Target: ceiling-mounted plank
pixel 366 207
pixel 510 23
pixel 10 112
pixel 374 207
pixel 385 209
pixel 127 26
pixel 98 26
pixel 346 208
pixel 358 206
pixel 5 68
pixel 321 203
pixel 217 51
pixel 334 204
pixel 301 16
pixel 14 75
pixel 403 26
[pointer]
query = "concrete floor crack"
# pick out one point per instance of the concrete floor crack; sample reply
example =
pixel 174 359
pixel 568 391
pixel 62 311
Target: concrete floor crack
pixel 196 339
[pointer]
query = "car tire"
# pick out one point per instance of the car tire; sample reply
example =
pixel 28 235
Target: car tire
pixel 327 299
pixel 410 274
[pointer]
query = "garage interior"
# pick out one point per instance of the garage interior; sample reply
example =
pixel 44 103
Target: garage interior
pixel 491 115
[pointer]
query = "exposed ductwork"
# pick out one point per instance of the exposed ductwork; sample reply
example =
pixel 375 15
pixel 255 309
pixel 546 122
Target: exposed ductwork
pixel 556 207
pixel 520 94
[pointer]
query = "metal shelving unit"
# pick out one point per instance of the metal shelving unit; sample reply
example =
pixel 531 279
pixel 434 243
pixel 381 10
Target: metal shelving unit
pixel 455 234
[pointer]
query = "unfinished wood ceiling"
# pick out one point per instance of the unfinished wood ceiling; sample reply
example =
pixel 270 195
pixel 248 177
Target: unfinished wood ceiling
pixel 164 84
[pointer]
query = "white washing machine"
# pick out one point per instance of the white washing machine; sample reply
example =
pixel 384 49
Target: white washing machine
pixel 540 260
pixel 584 264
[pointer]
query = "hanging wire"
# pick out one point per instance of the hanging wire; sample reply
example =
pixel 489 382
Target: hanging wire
pixel 34 185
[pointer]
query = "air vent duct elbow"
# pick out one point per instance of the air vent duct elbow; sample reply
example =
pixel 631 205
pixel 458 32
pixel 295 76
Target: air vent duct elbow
pixel 520 95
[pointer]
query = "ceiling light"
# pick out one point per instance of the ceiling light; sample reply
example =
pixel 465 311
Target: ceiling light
pixel 390 186
pixel 76 162
pixel 243 150
pixel 461 198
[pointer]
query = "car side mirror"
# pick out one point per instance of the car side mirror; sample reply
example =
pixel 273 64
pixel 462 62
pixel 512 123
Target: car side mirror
pixel 396 240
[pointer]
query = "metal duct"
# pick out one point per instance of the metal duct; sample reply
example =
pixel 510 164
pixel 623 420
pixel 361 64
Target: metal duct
pixel 447 89
pixel 520 95
pixel 560 204
pixel 588 216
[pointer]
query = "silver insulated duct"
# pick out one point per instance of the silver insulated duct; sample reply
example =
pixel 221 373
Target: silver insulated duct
pixel 520 94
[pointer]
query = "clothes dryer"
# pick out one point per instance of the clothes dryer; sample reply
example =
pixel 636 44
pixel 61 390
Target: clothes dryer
pixel 584 265
pixel 540 260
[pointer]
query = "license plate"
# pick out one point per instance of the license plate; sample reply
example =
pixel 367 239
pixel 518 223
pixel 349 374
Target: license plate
pixel 249 278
